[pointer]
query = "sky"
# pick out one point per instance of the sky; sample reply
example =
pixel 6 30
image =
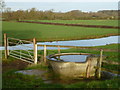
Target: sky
pixel 63 5
pixel 61 0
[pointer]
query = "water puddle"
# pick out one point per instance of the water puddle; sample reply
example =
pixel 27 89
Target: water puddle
pixel 87 42
pixel 38 73
pixel 49 77
pixel 82 43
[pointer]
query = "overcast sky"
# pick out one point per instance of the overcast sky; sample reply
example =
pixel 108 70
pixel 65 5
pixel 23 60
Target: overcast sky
pixel 61 0
pixel 63 5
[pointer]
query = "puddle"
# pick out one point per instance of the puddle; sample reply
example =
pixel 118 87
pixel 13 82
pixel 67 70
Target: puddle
pixel 49 77
pixel 83 43
pixel 32 72
pixel 36 72
pixel 109 75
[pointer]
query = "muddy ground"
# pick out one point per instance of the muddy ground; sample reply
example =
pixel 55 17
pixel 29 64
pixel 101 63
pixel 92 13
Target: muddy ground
pixel 94 26
pixel 16 64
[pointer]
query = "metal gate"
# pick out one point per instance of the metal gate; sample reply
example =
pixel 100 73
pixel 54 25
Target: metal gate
pixel 21 49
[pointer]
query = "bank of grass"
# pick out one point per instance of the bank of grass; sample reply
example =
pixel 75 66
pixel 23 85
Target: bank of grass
pixel 109 46
pixel 83 22
pixel 53 32
pixel 14 80
pixel 17 80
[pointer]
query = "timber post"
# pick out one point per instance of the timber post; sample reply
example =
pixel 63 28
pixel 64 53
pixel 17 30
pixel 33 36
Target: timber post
pixel 58 49
pixel 35 50
pixel 8 51
pixel 100 63
pixel 58 52
pixel 5 45
pixel 45 53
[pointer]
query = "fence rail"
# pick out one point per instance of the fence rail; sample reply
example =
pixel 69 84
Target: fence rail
pixel 19 40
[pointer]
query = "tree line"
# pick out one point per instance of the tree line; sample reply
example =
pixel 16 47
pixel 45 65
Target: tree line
pixel 34 14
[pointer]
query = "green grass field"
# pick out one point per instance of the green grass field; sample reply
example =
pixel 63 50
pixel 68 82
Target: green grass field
pixel 84 22
pixel 14 80
pixel 53 32
pixel 109 46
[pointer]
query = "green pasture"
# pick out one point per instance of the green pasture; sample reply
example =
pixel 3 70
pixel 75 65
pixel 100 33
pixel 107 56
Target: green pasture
pixel 109 46
pixel 10 79
pixel 53 32
pixel 14 80
pixel 84 22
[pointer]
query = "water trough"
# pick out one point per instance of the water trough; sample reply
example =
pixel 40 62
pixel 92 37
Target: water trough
pixel 75 65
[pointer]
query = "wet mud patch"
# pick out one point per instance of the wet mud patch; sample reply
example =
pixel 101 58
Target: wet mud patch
pixel 50 77
pixel 37 73
pixel 16 64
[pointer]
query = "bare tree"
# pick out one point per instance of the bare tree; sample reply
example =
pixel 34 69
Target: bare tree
pixel 2 5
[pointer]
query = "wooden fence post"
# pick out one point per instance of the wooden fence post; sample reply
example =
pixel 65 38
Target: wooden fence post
pixel 45 53
pixel 99 64
pixel 5 45
pixel 35 50
pixel 58 52
pixel 58 49
pixel 8 51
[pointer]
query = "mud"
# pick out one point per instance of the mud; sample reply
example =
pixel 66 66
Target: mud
pixel 48 77
pixel 94 26
pixel 12 65
pixel 38 73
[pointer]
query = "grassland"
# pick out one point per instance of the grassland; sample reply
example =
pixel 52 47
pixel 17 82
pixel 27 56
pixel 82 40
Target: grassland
pixel 52 32
pixel 84 22
pixel 109 46
pixel 14 80
pixel 49 33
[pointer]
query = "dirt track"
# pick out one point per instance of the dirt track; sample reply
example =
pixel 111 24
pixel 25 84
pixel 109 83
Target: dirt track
pixel 80 25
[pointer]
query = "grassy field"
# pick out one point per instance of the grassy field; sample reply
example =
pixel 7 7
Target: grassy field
pixel 84 22
pixel 109 46
pixel 13 80
pixel 53 32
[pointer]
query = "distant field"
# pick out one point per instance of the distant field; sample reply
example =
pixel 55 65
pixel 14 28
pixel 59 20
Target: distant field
pixel 84 22
pixel 53 32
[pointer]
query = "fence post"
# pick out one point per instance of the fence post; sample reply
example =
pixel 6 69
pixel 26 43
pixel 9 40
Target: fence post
pixel 5 45
pixel 45 53
pixel 35 50
pixel 8 51
pixel 58 49
pixel 99 64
